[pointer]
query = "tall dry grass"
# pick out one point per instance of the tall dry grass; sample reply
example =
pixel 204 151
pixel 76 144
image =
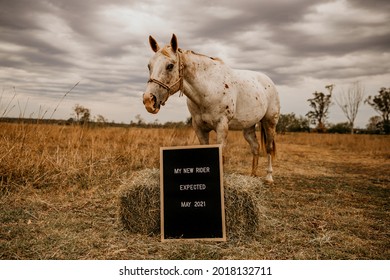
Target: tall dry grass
pixel 60 156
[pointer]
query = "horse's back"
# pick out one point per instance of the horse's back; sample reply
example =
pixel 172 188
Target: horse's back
pixel 255 81
pixel 256 97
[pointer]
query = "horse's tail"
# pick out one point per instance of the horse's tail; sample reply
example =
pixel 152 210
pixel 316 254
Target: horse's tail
pixel 263 143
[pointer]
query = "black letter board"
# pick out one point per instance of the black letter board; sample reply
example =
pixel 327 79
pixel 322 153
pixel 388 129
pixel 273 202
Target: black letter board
pixel 192 199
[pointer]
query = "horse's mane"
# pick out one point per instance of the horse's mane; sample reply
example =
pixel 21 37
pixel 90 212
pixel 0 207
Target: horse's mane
pixel 199 54
pixel 167 52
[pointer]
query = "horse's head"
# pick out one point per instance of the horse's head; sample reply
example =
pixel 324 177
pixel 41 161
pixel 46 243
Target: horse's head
pixel 165 74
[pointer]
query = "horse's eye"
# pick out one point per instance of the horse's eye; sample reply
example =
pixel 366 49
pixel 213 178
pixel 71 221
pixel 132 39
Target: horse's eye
pixel 170 67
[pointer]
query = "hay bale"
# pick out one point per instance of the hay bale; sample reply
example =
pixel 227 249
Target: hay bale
pixel 139 207
pixel 243 205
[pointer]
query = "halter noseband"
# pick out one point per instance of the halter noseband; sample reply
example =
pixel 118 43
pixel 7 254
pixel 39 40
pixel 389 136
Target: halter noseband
pixel 171 89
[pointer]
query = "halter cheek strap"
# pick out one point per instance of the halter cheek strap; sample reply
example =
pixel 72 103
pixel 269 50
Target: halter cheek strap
pixel 171 89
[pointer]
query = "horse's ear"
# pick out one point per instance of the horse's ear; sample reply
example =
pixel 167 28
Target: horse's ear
pixel 174 44
pixel 153 44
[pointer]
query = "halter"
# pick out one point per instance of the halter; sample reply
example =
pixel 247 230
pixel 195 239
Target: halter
pixel 171 89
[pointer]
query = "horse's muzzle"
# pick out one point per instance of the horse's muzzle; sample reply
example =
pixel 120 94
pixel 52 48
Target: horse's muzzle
pixel 151 104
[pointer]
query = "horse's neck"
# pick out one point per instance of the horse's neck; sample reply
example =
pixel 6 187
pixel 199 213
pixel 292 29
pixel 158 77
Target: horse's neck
pixel 201 74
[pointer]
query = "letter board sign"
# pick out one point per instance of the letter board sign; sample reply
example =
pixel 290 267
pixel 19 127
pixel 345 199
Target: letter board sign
pixel 192 197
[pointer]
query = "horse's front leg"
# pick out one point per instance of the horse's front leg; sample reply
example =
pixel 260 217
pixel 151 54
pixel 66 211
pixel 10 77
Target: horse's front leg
pixel 222 129
pixel 201 132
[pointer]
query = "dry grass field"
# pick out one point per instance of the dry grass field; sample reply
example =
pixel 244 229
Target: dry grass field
pixel 59 190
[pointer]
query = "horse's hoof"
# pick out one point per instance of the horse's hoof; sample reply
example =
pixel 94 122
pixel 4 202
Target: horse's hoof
pixel 268 180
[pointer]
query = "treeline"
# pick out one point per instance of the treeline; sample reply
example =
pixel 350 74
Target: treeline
pixel 349 101
pixel 90 123
pixel 287 123
pixel 292 123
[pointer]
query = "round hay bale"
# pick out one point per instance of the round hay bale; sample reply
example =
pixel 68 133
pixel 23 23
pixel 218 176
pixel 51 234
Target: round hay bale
pixel 243 207
pixel 139 207
pixel 139 200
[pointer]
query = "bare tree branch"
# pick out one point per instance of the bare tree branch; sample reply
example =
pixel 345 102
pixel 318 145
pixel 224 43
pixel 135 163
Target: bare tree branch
pixel 349 101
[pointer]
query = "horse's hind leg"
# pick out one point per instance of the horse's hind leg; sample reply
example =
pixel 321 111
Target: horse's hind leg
pixel 250 137
pixel 269 129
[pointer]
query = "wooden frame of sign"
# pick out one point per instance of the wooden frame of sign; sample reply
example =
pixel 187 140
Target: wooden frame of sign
pixel 191 193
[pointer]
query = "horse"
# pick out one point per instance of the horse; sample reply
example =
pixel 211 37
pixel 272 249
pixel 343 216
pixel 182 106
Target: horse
pixel 218 97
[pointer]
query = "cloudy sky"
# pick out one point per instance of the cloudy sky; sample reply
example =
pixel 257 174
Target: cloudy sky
pixel 46 47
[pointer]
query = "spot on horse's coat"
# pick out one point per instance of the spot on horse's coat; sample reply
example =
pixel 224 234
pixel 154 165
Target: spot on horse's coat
pixel 226 86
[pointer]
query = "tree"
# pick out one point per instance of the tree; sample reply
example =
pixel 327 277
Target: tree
pixel 340 128
pixel 381 104
pixel 320 104
pixel 140 120
pixel 301 124
pixel 284 122
pixel 350 101
pixel 290 123
pixel 83 114
pixel 101 119
pixel 374 124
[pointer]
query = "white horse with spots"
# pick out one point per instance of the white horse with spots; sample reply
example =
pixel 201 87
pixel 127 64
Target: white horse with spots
pixel 218 97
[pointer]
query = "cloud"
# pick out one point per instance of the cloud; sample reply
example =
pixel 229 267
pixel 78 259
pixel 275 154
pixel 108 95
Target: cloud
pixel 48 46
pixel 337 28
